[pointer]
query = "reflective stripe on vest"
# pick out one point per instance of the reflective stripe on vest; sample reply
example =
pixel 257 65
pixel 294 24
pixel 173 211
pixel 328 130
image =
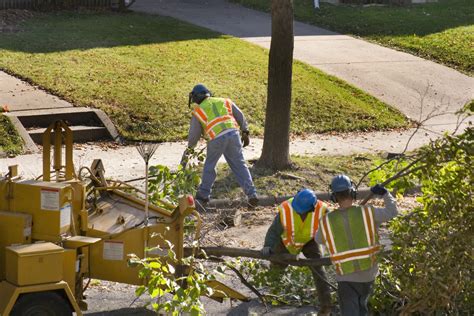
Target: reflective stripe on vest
pixel 297 233
pixel 355 250
pixel 215 116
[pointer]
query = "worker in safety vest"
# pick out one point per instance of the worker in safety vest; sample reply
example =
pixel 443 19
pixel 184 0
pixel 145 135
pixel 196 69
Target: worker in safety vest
pixel 350 236
pixel 219 121
pixel 293 231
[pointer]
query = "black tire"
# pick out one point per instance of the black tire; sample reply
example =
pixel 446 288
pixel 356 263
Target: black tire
pixel 41 304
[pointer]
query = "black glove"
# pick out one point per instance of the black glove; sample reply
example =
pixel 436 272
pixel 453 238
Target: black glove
pixel 378 189
pixel 266 251
pixel 245 138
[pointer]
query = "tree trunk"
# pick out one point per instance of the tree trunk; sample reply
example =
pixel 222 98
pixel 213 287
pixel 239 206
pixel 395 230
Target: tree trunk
pixel 276 142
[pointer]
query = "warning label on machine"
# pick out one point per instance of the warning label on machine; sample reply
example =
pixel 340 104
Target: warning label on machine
pixel 27 232
pixel 113 250
pixel 65 219
pixel 50 199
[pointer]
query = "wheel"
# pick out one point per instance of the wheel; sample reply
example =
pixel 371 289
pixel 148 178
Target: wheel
pixel 41 304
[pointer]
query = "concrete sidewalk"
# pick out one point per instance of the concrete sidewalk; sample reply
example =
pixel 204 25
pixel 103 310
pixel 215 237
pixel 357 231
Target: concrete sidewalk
pixel 21 96
pixel 399 79
pixel 124 162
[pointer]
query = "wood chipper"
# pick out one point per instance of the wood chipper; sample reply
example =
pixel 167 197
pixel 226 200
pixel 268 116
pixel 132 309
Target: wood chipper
pixel 64 226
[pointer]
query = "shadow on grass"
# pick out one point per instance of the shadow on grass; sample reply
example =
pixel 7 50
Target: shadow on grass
pixel 75 30
pixel 419 19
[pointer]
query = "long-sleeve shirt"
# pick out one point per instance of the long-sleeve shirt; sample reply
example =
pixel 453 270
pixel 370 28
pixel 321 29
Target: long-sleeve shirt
pixel 273 236
pixel 196 130
pixel 381 215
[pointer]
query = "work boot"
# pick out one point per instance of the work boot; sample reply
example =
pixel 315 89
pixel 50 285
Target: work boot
pixel 201 203
pixel 253 201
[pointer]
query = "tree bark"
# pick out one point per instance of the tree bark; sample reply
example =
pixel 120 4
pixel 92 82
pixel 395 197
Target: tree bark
pixel 276 142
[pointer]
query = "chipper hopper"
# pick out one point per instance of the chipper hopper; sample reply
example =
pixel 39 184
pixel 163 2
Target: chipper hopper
pixel 69 225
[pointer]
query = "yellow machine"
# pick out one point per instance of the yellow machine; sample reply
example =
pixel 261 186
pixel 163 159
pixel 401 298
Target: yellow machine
pixel 64 227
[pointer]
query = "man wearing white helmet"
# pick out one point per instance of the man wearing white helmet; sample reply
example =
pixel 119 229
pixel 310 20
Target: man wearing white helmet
pixel 219 121
pixel 350 236
pixel 293 231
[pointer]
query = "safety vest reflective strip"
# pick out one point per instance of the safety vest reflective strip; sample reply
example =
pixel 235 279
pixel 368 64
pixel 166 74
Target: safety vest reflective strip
pixel 228 106
pixel 320 210
pixel 211 134
pixel 339 257
pixel 355 254
pixel 369 225
pixel 329 241
pixel 218 120
pixel 368 215
pixel 287 222
pixel 200 115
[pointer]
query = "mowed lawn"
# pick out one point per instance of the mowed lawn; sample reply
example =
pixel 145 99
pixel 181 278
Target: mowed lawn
pixel 140 68
pixel 441 31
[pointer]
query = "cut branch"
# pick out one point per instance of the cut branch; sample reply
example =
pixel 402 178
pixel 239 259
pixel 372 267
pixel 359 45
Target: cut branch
pixel 405 171
pixel 286 259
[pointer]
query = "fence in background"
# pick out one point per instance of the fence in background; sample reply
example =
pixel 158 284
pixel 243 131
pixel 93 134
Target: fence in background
pixel 46 4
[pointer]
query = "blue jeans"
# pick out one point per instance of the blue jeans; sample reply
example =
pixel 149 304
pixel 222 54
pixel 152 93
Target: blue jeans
pixel 230 146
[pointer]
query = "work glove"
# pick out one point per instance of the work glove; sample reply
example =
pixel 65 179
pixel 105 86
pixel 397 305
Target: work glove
pixel 266 251
pixel 378 189
pixel 245 138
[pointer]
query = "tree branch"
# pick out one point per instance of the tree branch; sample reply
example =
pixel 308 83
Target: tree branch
pixel 286 259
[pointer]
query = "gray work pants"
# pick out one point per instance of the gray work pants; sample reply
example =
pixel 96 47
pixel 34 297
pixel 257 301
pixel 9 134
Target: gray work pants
pixel 353 297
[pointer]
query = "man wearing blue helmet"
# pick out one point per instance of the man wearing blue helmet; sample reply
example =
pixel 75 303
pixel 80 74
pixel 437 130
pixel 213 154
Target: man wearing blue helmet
pixel 350 236
pixel 219 121
pixel 293 231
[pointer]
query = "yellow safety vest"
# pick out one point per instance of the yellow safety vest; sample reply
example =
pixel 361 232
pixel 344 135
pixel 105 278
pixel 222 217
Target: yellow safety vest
pixel 215 116
pixel 354 250
pixel 297 233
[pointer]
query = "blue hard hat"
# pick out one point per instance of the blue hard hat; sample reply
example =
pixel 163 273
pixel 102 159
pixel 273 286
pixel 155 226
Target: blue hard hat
pixel 200 89
pixel 199 93
pixel 341 183
pixel 304 201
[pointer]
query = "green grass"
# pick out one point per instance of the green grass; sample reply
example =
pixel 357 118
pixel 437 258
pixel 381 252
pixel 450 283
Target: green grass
pixel 442 31
pixel 140 68
pixel 10 142
pixel 316 172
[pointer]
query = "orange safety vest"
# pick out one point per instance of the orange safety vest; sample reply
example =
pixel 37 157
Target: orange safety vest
pixel 297 233
pixel 215 116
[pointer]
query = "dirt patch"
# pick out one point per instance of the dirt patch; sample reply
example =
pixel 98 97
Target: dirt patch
pixel 254 224
pixel 10 20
